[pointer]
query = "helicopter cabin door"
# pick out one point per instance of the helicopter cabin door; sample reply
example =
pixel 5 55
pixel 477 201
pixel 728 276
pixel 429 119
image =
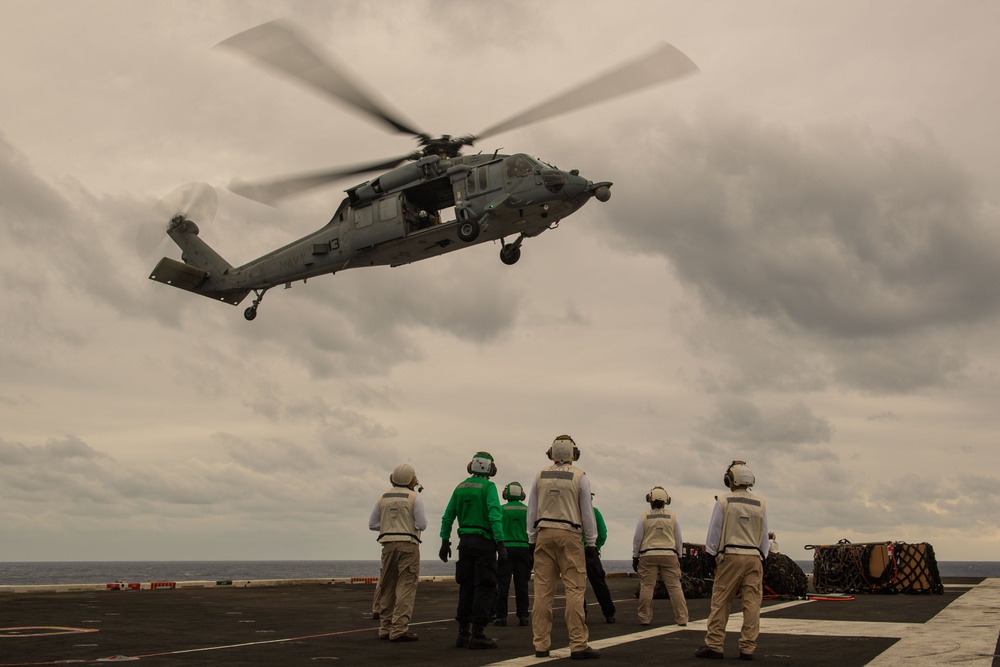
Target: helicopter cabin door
pixel 379 221
pixel 483 184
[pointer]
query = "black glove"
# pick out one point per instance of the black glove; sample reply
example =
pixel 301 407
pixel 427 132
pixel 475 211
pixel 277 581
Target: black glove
pixel 635 564
pixel 445 552
pixel 501 552
pixel 591 553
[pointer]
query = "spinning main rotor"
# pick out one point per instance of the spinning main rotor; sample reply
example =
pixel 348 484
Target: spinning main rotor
pixel 278 46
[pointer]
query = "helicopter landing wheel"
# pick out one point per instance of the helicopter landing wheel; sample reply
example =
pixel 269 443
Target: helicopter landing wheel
pixel 509 254
pixel 468 230
pixel 251 312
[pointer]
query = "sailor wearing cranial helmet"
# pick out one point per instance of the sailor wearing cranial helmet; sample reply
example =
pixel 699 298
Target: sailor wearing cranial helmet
pixel 559 511
pixel 517 567
pixel 399 518
pixel 655 548
pixel 476 506
pixel 737 537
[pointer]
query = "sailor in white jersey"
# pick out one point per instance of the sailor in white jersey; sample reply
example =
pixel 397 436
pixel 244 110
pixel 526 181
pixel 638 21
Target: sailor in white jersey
pixel 562 535
pixel 737 537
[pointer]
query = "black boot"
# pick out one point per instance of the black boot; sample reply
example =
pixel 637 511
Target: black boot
pixel 480 640
pixel 463 636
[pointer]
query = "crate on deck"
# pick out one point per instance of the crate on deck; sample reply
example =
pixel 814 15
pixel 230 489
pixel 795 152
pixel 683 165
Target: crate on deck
pixel 875 567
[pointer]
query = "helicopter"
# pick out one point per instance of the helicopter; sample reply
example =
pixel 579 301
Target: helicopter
pixel 396 217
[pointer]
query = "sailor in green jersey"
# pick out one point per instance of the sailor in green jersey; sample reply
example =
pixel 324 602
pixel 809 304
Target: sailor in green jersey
pixel 518 563
pixel 480 541
pixel 595 571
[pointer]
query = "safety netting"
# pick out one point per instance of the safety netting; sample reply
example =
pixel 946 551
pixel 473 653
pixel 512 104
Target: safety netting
pixel 875 567
pixel 782 576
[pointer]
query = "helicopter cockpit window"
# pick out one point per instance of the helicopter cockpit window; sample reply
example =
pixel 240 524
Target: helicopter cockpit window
pixel 517 166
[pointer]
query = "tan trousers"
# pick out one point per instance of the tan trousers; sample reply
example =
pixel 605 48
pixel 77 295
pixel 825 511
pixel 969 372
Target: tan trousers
pixel 559 552
pixel 668 567
pixel 397 587
pixel 743 574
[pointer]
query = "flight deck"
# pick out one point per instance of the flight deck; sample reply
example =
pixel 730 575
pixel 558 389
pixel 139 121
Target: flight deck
pixel 316 622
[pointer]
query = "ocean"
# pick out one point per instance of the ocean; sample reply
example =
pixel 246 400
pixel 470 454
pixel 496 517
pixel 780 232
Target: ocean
pixel 100 572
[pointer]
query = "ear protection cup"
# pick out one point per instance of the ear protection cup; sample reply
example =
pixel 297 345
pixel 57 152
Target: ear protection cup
pixel 560 442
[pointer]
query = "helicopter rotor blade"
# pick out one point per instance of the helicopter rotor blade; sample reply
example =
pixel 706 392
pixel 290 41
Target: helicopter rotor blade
pixel 277 45
pixel 271 191
pixel 197 202
pixel 663 64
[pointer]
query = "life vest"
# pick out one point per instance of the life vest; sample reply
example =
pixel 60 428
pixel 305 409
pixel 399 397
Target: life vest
pixel 470 507
pixel 396 511
pixel 658 533
pixel 515 524
pixel 742 523
pixel 558 504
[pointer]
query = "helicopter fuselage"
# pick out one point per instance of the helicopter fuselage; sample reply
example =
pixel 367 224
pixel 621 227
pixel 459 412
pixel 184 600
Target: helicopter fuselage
pixel 395 219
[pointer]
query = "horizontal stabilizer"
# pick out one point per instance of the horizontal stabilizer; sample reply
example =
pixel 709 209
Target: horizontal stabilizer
pixel 186 277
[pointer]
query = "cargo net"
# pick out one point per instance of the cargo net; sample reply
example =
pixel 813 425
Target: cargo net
pixel 875 567
pixel 782 576
pixel 697 573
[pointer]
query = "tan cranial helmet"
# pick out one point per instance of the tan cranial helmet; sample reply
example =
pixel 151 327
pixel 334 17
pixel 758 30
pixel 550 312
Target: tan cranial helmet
pixel 563 450
pixel 658 493
pixel 404 475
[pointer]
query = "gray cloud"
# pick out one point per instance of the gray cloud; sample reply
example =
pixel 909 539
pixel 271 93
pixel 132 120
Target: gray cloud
pixel 835 232
pixel 740 423
pixel 833 237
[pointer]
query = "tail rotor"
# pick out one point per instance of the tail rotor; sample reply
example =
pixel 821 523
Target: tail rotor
pixel 190 203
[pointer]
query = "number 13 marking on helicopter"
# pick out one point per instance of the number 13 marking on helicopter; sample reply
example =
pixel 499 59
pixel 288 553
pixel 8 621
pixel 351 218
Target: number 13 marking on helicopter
pixel 394 218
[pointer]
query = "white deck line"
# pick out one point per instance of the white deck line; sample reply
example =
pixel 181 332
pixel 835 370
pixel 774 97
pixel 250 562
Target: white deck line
pixel 965 632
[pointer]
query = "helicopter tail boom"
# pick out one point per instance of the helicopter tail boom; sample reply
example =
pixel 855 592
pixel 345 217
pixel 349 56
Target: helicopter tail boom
pixel 203 270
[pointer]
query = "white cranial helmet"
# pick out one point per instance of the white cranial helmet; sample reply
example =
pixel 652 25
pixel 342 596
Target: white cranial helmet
pixel 658 493
pixel 564 450
pixel 738 474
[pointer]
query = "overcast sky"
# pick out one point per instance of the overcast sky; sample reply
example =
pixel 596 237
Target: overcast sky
pixel 798 267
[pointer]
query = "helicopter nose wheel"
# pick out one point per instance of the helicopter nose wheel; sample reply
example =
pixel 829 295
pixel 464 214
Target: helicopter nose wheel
pixel 250 313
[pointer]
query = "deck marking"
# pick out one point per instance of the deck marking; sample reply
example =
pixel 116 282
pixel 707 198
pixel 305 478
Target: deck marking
pixel 947 638
pixel 42 631
pixel 702 625
pixel 965 632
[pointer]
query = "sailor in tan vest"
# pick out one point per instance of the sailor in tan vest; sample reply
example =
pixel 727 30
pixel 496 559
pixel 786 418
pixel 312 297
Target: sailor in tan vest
pixel 562 535
pixel 737 537
pixel 655 547
pixel 399 519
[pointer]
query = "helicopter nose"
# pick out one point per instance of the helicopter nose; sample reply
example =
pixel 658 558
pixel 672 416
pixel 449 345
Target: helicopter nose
pixel 554 180
pixel 575 185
